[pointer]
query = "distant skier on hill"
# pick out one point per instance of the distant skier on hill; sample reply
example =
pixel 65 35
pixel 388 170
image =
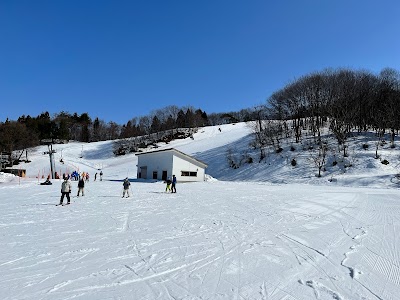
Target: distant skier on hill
pixel 101 175
pixel 66 189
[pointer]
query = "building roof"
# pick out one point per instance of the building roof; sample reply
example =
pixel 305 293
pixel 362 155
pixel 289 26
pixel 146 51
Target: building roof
pixel 176 152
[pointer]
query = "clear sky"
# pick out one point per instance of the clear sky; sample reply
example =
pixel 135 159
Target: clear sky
pixel 122 59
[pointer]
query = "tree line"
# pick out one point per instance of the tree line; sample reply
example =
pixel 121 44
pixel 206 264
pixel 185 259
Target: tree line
pixel 343 100
pixel 348 99
pixel 29 131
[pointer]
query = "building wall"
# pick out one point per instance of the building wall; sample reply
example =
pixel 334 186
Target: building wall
pixel 172 163
pixel 159 162
pixel 181 164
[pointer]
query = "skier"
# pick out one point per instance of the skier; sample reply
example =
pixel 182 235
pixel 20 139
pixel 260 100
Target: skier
pixel 65 190
pixel 173 184
pixel 168 187
pixel 101 175
pixel 81 185
pixel 126 185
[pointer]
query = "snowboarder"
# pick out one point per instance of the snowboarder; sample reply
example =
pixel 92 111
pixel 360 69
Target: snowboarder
pixel 81 185
pixel 47 182
pixel 173 188
pixel 65 190
pixel 168 187
pixel 126 185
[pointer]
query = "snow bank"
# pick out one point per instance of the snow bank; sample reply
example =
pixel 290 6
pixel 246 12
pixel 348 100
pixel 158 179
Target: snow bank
pixel 6 177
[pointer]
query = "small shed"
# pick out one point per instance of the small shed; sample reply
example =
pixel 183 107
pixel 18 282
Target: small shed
pixel 161 164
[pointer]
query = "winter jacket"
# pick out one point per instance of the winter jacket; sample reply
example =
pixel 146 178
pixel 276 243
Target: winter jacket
pixel 66 187
pixel 81 183
pixel 126 184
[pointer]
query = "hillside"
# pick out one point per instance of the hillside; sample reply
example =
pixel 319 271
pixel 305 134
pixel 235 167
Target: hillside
pixel 261 231
pixel 210 145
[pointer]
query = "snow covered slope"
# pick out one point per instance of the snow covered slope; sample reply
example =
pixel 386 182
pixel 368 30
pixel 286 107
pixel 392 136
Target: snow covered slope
pixel 275 232
pixel 211 145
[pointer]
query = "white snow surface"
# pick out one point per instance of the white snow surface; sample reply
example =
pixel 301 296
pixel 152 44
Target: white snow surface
pixel 264 231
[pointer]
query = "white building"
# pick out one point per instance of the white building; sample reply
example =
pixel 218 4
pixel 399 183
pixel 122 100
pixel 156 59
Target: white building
pixel 162 164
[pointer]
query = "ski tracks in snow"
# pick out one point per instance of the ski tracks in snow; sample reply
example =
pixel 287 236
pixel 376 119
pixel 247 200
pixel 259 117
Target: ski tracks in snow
pixel 261 243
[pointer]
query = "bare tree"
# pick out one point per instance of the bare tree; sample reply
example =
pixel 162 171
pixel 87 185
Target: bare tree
pixel 258 128
pixel 145 124
pixel 389 98
pixel 273 133
pixel 113 130
pixel 319 158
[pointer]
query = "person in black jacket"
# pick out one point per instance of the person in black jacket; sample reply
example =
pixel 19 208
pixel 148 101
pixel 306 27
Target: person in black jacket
pixel 126 185
pixel 168 187
pixel 173 184
pixel 81 185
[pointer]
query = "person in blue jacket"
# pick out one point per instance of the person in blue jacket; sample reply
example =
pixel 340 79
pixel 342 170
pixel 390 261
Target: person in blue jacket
pixel 173 188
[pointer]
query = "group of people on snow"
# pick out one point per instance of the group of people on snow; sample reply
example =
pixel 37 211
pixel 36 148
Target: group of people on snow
pixel 101 176
pixel 66 187
pixel 171 184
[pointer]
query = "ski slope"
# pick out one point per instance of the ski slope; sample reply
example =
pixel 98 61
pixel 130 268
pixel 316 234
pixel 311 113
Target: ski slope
pixel 288 238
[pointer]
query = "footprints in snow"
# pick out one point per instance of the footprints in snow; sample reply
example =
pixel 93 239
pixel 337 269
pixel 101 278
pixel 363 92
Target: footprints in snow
pixel 353 272
pixel 319 289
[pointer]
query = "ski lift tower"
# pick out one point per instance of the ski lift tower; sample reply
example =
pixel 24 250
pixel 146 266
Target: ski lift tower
pixel 52 163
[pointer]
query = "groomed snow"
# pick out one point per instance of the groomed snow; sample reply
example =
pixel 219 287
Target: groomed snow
pixel 290 237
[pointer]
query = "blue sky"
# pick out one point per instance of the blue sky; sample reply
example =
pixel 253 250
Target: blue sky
pixel 122 59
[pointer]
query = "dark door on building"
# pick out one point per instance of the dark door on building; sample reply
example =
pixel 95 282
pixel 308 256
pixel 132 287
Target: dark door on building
pixel 143 172
pixel 164 175
pixel 155 175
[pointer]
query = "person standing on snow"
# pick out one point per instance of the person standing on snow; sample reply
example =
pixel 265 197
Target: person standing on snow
pixel 65 190
pixel 168 187
pixel 173 188
pixel 101 175
pixel 126 185
pixel 81 185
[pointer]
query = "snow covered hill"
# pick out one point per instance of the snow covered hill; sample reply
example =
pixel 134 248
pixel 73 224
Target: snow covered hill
pixel 211 146
pixel 263 231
